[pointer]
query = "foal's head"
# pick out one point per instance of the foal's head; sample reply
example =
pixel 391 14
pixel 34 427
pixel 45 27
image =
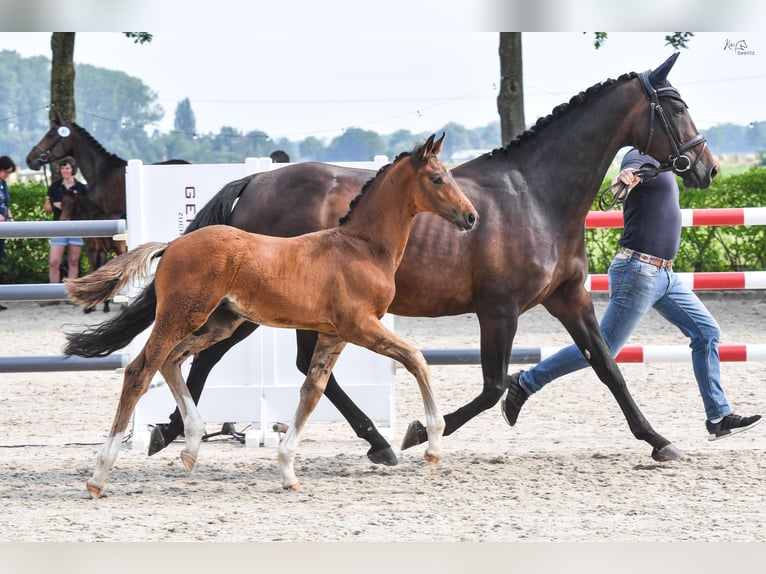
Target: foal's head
pixel 436 189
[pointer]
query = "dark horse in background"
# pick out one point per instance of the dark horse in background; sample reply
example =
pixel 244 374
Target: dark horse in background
pixel 104 173
pixel 532 197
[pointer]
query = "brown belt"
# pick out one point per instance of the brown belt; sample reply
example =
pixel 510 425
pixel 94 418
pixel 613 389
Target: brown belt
pixel 661 263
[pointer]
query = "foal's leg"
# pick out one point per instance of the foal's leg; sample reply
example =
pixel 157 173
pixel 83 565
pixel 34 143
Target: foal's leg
pixel 375 336
pixel 380 451
pixel 192 421
pixel 138 375
pixel 163 434
pixel 497 333
pixel 326 353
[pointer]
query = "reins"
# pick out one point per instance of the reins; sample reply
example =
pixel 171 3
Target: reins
pixel 620 190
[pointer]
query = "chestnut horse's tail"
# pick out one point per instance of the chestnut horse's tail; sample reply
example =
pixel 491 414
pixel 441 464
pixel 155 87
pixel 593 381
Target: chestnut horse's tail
pixel 106 281
pixel 106 338
pixel 218 210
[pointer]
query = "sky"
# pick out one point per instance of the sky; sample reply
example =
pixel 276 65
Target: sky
pixel 314 83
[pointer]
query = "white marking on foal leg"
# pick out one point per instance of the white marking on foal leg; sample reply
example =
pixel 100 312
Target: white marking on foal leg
pixel 104 462
pixel 194 430
pixel 286 458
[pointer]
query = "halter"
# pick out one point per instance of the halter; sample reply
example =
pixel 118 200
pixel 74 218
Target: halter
pixel 678 161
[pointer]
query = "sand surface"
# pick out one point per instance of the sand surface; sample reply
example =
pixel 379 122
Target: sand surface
pixel 568 471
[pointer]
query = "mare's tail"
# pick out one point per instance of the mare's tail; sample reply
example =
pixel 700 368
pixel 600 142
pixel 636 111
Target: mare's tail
pixel 110 336
pixel 107 280
pixel 218 210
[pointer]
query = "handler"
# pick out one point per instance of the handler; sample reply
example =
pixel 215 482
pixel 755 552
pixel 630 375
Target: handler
pixel 641 277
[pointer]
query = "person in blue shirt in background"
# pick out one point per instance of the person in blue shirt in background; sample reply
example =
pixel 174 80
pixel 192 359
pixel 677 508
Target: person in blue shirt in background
pixel 7 167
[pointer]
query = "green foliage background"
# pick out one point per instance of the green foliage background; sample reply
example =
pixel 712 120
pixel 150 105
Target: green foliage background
pixel 725 248
pixel 702 248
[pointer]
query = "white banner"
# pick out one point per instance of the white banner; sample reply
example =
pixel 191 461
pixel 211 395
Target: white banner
pixel 257 382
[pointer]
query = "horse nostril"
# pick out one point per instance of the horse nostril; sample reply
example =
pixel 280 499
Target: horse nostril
pixel 713 171
pixel 471 219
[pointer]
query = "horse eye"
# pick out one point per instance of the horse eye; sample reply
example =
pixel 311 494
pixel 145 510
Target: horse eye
pixel 437 180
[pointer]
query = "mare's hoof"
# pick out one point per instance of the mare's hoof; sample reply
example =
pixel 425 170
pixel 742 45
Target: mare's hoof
pixel 416 434
pixel 280 427
pixel 384 456
pixel 188 460
pixel 88 310
pixel 162 435
pixel 293 487
pixel 95 491
pixel 667 453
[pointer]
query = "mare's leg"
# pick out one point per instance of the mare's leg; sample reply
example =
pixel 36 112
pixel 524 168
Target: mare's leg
pixel 380 451
pixel 193 423
pixel 497 333
pixel 574 309
pixel 374 336
pixel 203 363
pixel 326 353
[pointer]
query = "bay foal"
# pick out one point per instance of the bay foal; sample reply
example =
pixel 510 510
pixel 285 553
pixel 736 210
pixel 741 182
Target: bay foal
pixel 338 282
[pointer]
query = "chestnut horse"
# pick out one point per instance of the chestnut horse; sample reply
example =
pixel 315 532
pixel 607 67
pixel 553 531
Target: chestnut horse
pixel 337 282
pixel 533 196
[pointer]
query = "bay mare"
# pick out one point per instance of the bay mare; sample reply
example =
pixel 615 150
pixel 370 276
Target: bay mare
pixel 532 196
pixel 338 282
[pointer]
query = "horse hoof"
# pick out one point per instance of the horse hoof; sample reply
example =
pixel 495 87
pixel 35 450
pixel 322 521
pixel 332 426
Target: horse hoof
pixel 162 435
pixel 188 460
pixel 432 459
pixel 95 491
pixel 88 310
pixel 295 487
pixel 667 453
pixel 280 427
pixel 384 456
pixel 416 434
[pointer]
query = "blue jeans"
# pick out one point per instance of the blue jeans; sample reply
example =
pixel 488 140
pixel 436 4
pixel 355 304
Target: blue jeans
pixel 634 288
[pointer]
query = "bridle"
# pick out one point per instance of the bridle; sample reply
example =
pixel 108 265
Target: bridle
pixel 44 157
pixel 678 161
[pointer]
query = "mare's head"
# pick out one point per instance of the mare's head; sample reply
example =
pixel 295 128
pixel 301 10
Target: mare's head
pixel 436 189
pixel 55 144
pixel 669 132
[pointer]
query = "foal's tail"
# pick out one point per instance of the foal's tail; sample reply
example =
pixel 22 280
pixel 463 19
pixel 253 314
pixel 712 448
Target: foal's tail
pixel 218 210
pixel 106 281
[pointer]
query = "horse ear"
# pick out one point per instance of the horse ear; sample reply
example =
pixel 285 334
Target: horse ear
pixel 438 145
pixel 659 76
pixel 57 114
pixel 427 148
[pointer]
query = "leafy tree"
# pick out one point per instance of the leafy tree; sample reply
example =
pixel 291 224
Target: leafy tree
pixel 311 149
pixel 355 145
pixel 185 120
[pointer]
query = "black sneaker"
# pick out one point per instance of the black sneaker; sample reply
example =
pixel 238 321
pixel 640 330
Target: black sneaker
pixel 514 400
pixel 729 425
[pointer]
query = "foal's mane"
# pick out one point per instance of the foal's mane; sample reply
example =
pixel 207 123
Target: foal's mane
pixel 354 202
pixel 561 110
pixel 83 132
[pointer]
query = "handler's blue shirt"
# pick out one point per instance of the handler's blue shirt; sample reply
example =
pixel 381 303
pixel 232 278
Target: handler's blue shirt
pixel 651 213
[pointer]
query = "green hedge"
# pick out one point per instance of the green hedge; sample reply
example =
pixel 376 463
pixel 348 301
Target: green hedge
pixel 26 260
pixel 725 248
pixel 702 248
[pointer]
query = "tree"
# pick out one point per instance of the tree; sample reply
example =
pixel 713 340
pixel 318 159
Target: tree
pixel 510 99
pixel 184 120
pixel 62 75
pixel 62 70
